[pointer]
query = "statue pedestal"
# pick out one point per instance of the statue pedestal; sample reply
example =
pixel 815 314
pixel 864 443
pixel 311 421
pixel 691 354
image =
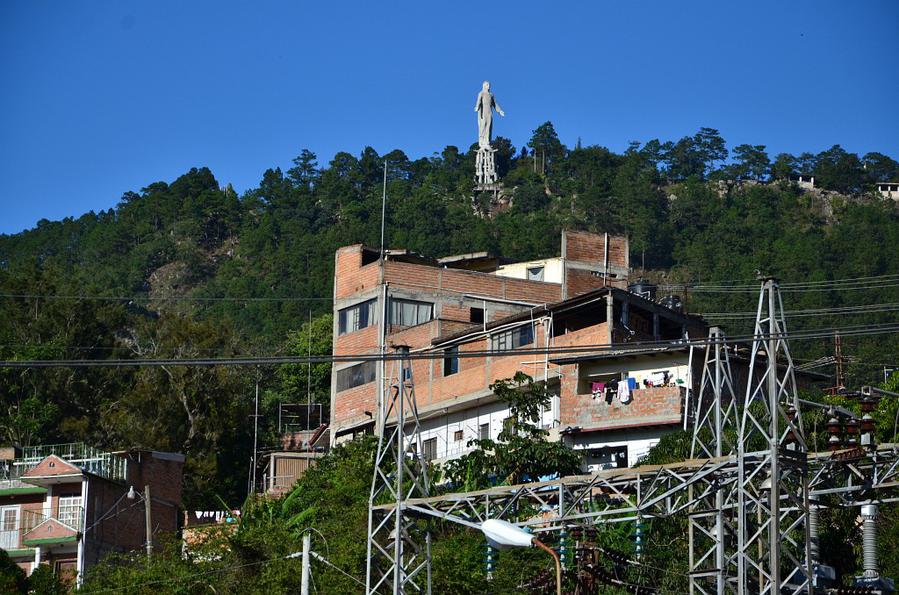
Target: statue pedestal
pixel 485 169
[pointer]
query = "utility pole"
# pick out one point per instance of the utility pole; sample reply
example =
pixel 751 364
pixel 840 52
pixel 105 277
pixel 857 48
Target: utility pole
pixel 148 519
pixel 307 546
pixel 255 433
pixel 383 208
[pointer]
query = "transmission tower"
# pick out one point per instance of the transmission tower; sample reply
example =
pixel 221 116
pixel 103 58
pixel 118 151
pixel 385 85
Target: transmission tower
pixel 714 435
pixel 772 481
pixel 399 545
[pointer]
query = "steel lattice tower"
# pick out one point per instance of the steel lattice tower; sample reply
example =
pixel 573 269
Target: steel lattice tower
pixel 711 524
pixel 399 547
pixel 772 480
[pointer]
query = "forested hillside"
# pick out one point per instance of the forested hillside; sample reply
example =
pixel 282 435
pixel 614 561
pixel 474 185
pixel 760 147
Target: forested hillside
pixel 191 269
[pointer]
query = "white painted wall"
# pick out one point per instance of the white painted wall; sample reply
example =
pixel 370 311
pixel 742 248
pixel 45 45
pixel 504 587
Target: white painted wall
pixel 637 440
pixel 552 269
pixel 443 427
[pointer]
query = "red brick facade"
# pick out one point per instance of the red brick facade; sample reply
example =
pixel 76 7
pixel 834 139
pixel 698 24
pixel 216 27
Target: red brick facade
pixel 455 293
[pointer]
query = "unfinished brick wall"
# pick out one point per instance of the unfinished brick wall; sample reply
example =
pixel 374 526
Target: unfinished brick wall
pixel 350 277
pixel 582 246
pixel 585 255
pixel 648 406
pixel 424 278
pixel 361 341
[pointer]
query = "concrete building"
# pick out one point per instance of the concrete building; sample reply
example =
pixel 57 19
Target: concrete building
pixel 299 451
pixel 889 190
pixel 422 299
pixel 67 505
pixel 613 404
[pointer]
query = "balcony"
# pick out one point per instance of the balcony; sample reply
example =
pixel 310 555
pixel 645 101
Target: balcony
pixel 20 529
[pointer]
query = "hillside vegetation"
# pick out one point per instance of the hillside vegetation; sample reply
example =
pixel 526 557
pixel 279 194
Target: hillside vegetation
pixel 191 269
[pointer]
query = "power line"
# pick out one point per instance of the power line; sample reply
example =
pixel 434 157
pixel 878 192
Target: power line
pixel 171 298
pixel 862 309
pixel 436 354
pixel 745 286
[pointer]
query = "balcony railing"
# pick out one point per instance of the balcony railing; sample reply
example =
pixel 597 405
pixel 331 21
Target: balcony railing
pixel 13 531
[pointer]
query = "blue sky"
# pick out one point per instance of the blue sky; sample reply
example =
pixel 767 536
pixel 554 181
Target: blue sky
pixel 103 97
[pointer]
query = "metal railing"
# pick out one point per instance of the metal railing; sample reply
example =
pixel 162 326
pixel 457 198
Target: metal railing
pixel 88 458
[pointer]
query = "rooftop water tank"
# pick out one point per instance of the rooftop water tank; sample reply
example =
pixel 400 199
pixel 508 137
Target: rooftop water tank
pixel 643 288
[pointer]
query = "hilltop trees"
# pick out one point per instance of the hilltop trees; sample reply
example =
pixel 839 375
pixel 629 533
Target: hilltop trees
pixel 203 272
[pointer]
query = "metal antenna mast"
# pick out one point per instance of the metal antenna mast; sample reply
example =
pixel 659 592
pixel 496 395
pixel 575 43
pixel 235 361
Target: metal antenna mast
pixel 399 545
pixel 714 435
pixel 772 492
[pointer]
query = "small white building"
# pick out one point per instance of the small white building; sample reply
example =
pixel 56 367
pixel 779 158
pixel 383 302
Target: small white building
pixel 805 181
pixel 889 190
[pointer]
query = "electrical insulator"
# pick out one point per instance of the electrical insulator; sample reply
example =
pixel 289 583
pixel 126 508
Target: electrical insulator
pixel 490 561
pixel 852 427
pixel 563 548
pixel 833 428
pixel 638 537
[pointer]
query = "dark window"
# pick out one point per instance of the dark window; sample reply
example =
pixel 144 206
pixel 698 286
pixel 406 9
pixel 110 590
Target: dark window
pixel 355 376
pixel 410 313
pixel 476 315
pixel 484 431
pixel 509 425
pixel 451 360
pixel 523 335
pixel 429 448
pixel 358 317
pixel 535 273
pixel 457 435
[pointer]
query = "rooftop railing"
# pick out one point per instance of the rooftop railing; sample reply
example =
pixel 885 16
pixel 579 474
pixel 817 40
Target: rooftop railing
pixel 86 458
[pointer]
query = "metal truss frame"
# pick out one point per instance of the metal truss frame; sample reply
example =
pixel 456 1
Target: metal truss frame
pixel 399 550
pixel 747 493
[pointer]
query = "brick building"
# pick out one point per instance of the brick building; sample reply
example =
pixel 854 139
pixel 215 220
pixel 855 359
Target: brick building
pixel 67 505
pixel 423 299
pixel 478 303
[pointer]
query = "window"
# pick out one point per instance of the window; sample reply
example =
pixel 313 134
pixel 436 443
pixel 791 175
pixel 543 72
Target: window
pixel 358 317
pixel 476 315
pixel 451 360
pixel 535 273
pixel 9 527
pixel 70 510
pixel 509 425
pixel 484 431
pixel 409 313
pixel 457 435
pixel 429 449
pixel 523 335
pixel 355 375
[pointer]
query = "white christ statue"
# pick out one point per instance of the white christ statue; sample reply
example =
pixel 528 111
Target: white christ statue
pixel 484 106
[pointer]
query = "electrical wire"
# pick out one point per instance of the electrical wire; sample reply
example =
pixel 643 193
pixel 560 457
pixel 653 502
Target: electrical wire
pixel 171 298
pixel 431 354
pixel 738 286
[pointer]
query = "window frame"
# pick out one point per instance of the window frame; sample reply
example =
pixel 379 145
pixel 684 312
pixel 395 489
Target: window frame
pixel 510 339
pixel 429 449
pixel 357 317
pixel 362 374
pixel 451 361
pixel 396 310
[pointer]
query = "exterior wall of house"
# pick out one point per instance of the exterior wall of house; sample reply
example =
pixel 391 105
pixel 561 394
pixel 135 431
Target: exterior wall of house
pixel 61 517
pixel 454 407
pixel 889 190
